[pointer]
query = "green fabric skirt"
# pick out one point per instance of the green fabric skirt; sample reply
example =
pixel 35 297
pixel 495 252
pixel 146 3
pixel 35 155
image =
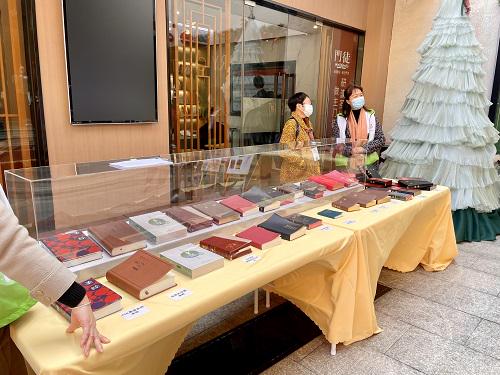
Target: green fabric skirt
pixel 471 225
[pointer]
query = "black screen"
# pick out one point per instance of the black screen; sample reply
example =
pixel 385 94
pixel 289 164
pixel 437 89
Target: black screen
pixel 110 49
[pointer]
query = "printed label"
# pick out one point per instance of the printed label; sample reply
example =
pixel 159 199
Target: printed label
pixel 134 312
pixel 180 294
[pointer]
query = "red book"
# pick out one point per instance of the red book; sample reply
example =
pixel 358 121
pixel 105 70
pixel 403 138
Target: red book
pixel 326 182
pixel 261 238
pixel 229 247
pixel 104 300
pixel 72 248
pixel 342 178
pixel 240 205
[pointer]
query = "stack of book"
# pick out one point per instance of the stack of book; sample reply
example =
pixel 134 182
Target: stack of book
pixel 342 178
pixel 240 205
pixel 219 213
pixel 72 248
pixel 193 260
pixel 287 229
pixel 312 189
pixel 117 237
pixel 158 227
pixel 346 203
pixel 229 247
pixel 291 189
pixel 192 219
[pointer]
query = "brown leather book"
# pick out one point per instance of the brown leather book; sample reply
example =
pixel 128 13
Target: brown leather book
pixel 117 237
pixel 218 212
pixel 346 203
pixel 364 198
pixel 192 219
pixel 229 247
pixel 381 196
pixel 142 275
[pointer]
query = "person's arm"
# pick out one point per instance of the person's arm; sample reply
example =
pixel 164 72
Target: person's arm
pixel 378 141
pixel 47 279
pixel 288 137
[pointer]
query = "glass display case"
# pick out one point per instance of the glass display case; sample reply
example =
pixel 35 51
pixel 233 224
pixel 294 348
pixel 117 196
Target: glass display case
pixel 62 198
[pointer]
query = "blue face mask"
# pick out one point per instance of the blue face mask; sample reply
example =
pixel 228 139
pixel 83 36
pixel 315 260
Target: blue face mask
pixel 358 103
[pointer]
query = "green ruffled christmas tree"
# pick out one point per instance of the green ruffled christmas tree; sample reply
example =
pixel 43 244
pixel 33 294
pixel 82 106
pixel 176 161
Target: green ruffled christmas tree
pixel 444 134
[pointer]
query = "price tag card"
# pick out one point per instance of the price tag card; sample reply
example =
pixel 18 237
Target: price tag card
pixel 326 228
pixel 315 153
pixel 421 196
pixel 251 259
pixel 350 222
pixel 375 210
pixel 395 202
pixel 134 312
pixel 180 294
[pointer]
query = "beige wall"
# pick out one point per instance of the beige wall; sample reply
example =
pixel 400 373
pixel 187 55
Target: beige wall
pixel 67 143
pixel 412 22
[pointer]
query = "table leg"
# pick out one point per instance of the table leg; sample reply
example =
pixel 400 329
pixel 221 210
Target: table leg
pixel 268 299
pixel 256 301
pixel 333 349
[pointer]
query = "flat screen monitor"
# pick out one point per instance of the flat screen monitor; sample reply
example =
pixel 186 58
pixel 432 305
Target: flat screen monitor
pixel 111 60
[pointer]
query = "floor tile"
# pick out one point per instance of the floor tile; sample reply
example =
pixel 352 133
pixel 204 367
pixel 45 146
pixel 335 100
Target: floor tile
pixel 465 258
pixel 430 316
pixel 432 354
pixel 484 249
pixel 352 360
pixel 288 367
pixel 486 339
pixel 488 265
pixel 307 349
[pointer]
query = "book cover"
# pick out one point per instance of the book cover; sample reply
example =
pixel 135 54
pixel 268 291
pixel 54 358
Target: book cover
pixel 330 214
pixel 382 182
pixel 343 178
pixel 118 237
pixel 261 238
pixel 287 229
pixel 381 196
pixel 292 189
pixel 72 248
pixel 399 189
pixel 330 184
pixel 229 247
pixel 346 203
pixel 263 200
pixel 218 212
pixel 104 301
pixel 240 205
pixel 193 260
pixel 314 193
pixel 400 196
pixel 192 219
pixel 158 227
pixel 309 222
pixel 281 196
pixel 142 275
pixel 364 198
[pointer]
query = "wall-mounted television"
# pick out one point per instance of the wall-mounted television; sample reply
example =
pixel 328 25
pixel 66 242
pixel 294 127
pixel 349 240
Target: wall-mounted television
pixel 111 61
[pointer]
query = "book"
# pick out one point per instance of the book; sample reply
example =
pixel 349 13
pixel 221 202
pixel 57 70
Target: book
pixel 117 237
pixel 104 301
pixel 230 247
pixel 343 178
pixel 219 213
pixel 158 227
pixel 364 198
pixel 193 260
pixel 314 193
pixel 288 230
pixel 382 182
pixel 309 222
pixel 329 183
pixel 282 197
pixel 311 185
pixel 414 183
pixel 72 248
pixel 330 214
pixel 261 238
pixel 142 275
pixel 400 196
pixel 263 200
pixel 192 219
pixel 399 189
pixel 240 205
pixel 291 189
pixel 381 196
pixel 346 203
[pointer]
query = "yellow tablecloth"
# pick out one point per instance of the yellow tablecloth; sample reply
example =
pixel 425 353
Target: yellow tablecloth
pixel 398 235
pixel 148 343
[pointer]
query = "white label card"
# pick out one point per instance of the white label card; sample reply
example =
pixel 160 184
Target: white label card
pixel 180 294
pixel 315 153
pixel 350 222
pixel 134 312
pixel 326 228
pixel 251 259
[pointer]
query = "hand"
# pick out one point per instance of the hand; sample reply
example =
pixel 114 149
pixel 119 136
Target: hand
pixel 467 6
pixel 358 150
pixel 84 317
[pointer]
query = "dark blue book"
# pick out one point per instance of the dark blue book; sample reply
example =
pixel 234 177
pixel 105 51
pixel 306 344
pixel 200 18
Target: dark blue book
pixel 330 213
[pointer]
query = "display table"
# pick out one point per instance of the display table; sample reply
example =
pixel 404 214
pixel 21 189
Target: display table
pixel 398 235
pixel 147 344
pixel 331 274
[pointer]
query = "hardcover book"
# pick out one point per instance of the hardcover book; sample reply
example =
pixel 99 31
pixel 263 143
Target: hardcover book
pixel 282 197
pixel 193 260
pixel 104 301
pixel 346 203
pixel 288 230
pixel 158 227
pixel 240 205
pixel 229 247
pixel 261 238
pixel 308 185
pixel 142 275
pixel 382 182
pixel 218 212
pixel 364 198
pixel 314 193
pixel 192 219
pixel 381 196
pixel 343 178
pixel 399 189
pixel 263 200
pixel 309 222
pixel 117 237
pixel 400 196
pixel 292 189
pixel 329 183
pixel 72 248
pixel 330 214
pixel 414 183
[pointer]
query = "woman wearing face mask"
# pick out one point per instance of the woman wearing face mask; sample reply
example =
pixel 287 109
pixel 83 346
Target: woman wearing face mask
pixel 359 124
pixel 298 131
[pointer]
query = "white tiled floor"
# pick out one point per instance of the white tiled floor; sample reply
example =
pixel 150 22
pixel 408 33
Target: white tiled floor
pixel 434 323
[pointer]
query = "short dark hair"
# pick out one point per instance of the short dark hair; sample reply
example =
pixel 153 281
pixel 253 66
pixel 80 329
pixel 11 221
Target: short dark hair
pixel 297 98
pixel 258 82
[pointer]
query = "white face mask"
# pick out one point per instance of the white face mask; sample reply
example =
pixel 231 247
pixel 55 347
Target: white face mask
pixel 308 110
pixel 358 103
